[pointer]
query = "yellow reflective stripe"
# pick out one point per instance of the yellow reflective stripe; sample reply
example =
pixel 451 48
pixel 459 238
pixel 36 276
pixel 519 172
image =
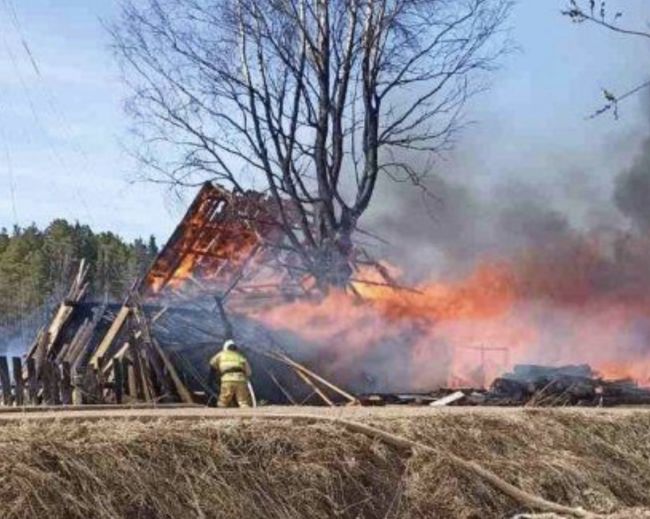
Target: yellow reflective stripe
pixel 231 359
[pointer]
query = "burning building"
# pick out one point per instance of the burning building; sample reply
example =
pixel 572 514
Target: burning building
pixel 228 270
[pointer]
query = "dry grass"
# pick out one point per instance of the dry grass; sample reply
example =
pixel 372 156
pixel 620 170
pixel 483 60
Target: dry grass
pixel 281 469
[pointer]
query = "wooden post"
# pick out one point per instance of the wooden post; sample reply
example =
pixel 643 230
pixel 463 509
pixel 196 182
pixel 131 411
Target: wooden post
pixel 156 371
pixel 118 380
pixel 88 386
pixel 98 370
pixel 181 389
pixel 66 384
pixel 143 379
pixel 78 379
pixel 5 381
pixel 32 382
pixel 147 380
pixel 137 375
pixel 92 385
pixel 56 383
pixel 131 379
pixel 17 368
pixel 46 382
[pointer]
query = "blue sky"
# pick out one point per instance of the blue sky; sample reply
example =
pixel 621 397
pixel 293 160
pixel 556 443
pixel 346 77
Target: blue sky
pixel 61 131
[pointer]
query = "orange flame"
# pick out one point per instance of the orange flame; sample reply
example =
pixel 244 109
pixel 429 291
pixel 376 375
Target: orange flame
pixel 465 332
pixel 553 305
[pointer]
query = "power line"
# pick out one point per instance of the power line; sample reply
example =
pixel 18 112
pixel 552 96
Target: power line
pixel 12 181
pixel 11 9
pixel 12 178
pixel 51 99
pixel 39 123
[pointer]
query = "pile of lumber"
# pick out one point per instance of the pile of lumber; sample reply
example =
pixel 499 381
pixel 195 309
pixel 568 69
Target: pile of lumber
pixel 229 248
pixel 105 355
pixel 565 385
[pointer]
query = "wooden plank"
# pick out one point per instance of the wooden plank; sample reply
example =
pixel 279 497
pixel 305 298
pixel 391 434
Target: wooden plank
pixel 66 384
pixel 137 376
pixel 56 383
pixel 37 341
pixel 5 381
pixel 100 379
pixel 17 371
pixel 62 315
pixel 316 377
pixel 284 390
pixel 46 383
pixel 118 380
pixel 32 381
pixel 157 371
pixel 449 399
pixel 182 391
pixel 118 356
pixel 77 356
pixel 131 382
pixel 77 386
pixel 141 376
pixel 318 390
pixel 40 355
pixel 70 354
pixel 111 334
pixel 92 390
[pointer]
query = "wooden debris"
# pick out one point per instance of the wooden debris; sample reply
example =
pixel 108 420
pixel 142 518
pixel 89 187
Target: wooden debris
pixel 32 381
pixel 17 372
pixel 300 368
pixel 182 391
pixel 66 384
pixel 449 399
pixel 316 389
pixel 131 379
pixel 564 385
pixel 5 380
pixel 118 380
pixel 284 390
pixel 108 339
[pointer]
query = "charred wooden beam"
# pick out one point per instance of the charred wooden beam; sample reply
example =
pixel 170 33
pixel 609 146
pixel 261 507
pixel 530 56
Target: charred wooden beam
pixel 118 380
pixel 32 381
pixel 5 380
pixel 66 384
pixel 17 370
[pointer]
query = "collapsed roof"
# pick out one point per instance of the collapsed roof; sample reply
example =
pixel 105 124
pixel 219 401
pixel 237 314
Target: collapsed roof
pixel 232 243
pixel 155 346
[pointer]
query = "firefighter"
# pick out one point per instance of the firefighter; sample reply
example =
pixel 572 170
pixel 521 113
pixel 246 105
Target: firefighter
pixel 235 372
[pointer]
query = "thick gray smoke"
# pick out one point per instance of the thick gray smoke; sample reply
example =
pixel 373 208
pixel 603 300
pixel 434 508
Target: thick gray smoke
pixel 632 191
pixel 572 228
pixel 449 232
pixel 464 214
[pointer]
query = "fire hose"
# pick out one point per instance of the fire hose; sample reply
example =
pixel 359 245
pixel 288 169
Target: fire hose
pixel 252 393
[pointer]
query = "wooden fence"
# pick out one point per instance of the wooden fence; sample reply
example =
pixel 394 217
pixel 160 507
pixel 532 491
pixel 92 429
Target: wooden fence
pixel 50 383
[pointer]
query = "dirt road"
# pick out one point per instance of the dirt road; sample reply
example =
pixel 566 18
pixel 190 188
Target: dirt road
pixel 93 413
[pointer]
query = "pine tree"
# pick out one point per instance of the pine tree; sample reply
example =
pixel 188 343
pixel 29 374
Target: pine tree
pixel 36 266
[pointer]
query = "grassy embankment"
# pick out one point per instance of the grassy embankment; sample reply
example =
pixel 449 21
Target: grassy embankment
pixel 599 460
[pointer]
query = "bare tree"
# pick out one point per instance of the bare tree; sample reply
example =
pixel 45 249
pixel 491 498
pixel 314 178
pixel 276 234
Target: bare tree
pixel 598 13
pixel 307 100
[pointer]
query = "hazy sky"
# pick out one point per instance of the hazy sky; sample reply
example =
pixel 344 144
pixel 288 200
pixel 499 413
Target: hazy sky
pixel 61 120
